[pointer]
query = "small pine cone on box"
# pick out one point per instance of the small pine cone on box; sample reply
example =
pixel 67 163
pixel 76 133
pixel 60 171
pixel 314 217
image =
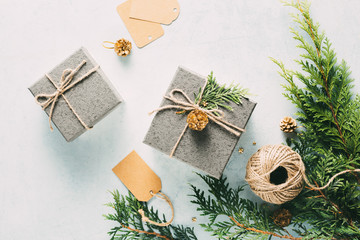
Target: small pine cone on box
pixel 122 47
pixel 197 120
pixel 282 217
pixel 288 124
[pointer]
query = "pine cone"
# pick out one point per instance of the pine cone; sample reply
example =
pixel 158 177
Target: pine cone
pixel 282 217
pixel 288 124
pixel 197 120
pixel 122 47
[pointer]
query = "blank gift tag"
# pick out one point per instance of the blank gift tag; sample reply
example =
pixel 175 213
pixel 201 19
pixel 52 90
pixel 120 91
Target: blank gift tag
pixel 142 32
pixel 138 177
pixel 159 11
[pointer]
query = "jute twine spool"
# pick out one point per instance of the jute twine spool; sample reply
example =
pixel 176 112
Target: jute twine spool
pixel 275 159
pixel 272 163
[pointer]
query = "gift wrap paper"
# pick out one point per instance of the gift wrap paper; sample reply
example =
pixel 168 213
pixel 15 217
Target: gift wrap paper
pixel 209 149
pixel 92 99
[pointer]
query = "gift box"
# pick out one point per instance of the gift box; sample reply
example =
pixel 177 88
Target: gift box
pixel 209 149
pixel 76 94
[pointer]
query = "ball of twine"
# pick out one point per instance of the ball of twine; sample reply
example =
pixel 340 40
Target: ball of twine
pixel 265 162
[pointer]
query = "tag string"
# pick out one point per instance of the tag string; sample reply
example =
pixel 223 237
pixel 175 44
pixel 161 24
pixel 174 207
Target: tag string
pixel 105 42
pixel 162 196
pixel 330 181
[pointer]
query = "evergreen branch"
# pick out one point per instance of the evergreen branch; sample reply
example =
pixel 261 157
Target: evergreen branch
pixel 324 72
pixel 145 232
pixel 265 232
pixel 338 210
pixel 325 77
pixel 131 225
pixel 215 95
pixel 328 145
pixel 247 219
pixel 335 212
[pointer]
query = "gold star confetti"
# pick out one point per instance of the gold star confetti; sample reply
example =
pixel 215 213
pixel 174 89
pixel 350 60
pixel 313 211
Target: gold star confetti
pixel 254 143
pixel 241 150
pixel 194 219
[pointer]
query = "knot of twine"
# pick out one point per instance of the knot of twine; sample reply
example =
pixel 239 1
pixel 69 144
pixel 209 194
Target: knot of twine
pixel 216 115
pixel 162 196
pixel 66 83
pixel 269 158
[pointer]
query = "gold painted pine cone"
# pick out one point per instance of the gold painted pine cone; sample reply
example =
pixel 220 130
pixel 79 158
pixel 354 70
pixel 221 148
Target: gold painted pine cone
pixel 197 120
pixel 282 217
pixel 122 47
pixel 288 124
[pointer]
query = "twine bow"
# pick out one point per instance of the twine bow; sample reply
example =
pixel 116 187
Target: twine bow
pixel 66 83
pixel 216 115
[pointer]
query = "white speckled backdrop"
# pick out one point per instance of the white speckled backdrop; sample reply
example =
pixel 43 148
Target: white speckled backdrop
pixel 51 189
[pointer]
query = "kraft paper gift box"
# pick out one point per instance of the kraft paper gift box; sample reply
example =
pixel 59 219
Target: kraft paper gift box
pixel 82 105
pixel 209 149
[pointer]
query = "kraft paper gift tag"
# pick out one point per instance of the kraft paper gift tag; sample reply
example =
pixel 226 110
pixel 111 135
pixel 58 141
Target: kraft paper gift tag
pixel 138 177
pixel 142 182
pixel 142 32
pixel 159 11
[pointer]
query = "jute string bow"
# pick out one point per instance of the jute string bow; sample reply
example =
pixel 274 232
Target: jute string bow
pixel 269 158
pixel 66 83
pixel 216 115
pixel 162 196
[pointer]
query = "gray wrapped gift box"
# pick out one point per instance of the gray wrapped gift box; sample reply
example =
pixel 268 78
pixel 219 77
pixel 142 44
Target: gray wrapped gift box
pixel 208 150
pixel 92 99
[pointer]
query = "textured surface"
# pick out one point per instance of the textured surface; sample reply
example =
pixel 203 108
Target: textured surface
pixel 54 190
pixel 208 150
pixel 92 99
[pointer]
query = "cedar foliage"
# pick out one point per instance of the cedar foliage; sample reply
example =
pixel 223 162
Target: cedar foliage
pixel 330 114
pixel 216 95
pixel 130 225
pixel 328 143
pixel 243 219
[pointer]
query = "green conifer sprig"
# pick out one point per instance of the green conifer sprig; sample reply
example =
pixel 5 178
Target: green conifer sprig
pixel 132 227
pixel 325 100
pixel 329 113
pixel 333 211
pixel 231 216
pixel 330 143
pixel 216 95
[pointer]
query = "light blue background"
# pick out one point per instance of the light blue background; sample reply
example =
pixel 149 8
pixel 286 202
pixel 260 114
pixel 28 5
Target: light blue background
pixel 51 189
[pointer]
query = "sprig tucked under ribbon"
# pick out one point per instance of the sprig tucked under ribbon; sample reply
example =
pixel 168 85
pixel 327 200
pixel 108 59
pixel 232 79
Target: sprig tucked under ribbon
pixel 216 115
pixel 65 84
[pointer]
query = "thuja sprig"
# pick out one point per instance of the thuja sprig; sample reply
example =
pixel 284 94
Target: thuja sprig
pixel 324 100
pixel 330 115
pixel 215 95
pixel 132 227
pixel 330 143
pixel 233 217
